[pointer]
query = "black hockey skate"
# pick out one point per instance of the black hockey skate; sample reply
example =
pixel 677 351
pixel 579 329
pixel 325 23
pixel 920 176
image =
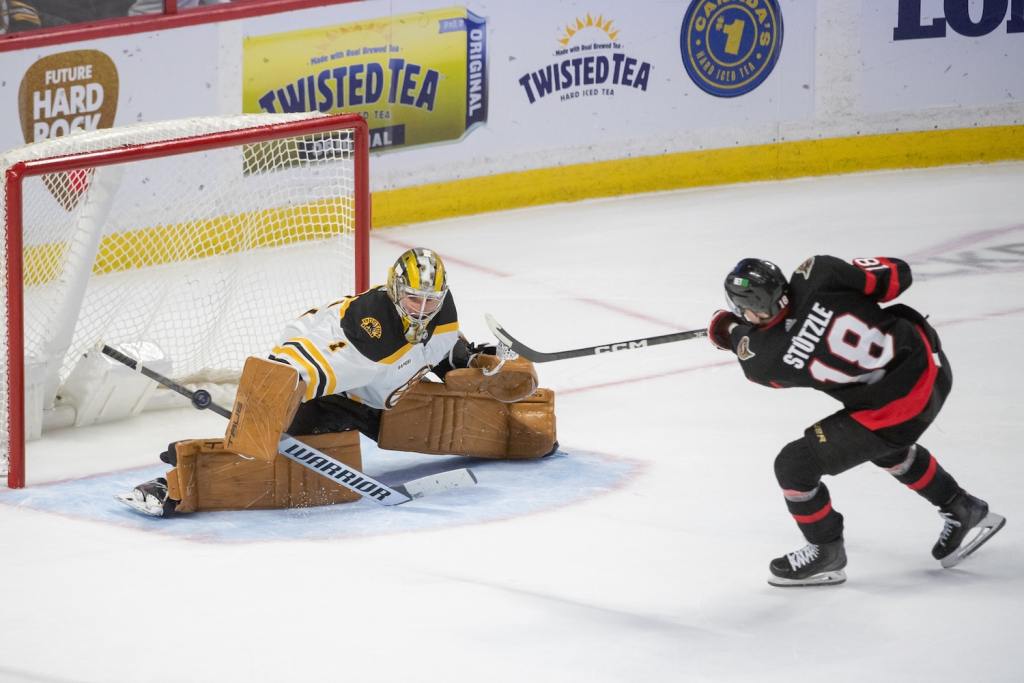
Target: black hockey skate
pixel 962 515
pixel 150 498
pixel 812 565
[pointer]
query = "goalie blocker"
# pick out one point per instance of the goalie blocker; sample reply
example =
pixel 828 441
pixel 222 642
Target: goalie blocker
pixel 500 415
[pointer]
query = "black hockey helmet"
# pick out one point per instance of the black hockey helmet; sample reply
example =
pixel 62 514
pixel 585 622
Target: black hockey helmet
pixel 758 286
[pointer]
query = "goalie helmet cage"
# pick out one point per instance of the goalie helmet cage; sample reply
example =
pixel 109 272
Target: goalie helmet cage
pixel 195 239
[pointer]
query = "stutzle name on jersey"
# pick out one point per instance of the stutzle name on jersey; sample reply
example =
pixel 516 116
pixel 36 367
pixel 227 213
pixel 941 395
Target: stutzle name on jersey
pixel 806 339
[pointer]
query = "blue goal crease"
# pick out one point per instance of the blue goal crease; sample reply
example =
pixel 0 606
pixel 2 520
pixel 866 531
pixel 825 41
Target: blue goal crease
pixel 506 489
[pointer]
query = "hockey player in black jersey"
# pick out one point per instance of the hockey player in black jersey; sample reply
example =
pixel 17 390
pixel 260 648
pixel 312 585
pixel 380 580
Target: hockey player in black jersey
pixel 825 329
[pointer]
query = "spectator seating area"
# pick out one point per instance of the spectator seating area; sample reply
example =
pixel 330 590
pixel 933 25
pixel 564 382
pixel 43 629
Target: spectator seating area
pixel 28 15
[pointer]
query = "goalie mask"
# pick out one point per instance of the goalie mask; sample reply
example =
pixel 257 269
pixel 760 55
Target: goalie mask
pixel 756 290
pixel 417 285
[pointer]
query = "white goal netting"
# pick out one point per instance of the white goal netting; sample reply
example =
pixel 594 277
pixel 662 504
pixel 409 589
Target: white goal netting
pixel 202 254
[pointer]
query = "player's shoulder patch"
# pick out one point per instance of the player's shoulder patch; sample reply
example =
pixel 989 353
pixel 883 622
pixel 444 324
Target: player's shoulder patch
pixel 805 268
pixel 743 351
pixel 372 325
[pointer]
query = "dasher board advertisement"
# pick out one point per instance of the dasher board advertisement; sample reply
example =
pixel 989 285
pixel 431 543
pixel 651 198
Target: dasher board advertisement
pixel 416 78
pixel 920 54
pixel 54 91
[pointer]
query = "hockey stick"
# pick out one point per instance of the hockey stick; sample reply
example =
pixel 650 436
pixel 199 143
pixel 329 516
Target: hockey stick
pixel 540 357
pixel 200 398
pixel 314 459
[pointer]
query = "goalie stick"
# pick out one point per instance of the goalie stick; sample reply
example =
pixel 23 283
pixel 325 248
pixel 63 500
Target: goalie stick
pixel 540 357
pixel 315 459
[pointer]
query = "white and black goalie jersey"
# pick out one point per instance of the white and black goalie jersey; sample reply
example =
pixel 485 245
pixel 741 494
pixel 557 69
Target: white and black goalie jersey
pixel 357 348
pixel 880 362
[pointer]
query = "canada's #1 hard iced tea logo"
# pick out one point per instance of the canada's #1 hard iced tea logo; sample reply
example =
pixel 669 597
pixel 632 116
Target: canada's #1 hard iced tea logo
pixel 729 47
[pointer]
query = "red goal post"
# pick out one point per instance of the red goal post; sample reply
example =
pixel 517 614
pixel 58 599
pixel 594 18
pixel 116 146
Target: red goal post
pixel 162 226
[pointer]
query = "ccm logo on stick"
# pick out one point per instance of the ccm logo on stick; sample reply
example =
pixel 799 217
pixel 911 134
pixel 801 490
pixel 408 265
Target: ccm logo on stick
pixel 622 346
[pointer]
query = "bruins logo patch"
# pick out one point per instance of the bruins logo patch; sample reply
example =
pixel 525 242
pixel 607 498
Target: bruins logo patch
pixel 371 326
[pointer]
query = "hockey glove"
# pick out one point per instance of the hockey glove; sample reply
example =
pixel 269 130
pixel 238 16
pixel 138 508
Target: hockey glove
pixel 720 328
pixel 462 355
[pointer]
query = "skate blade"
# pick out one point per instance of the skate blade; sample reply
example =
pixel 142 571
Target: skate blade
pixel 987 528
pixel 131 501
pixel 833 578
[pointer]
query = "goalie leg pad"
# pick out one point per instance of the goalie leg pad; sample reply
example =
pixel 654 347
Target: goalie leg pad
pixel 434 418
pixel 209 476
pixel 532 425
pixel 268 396
pixel 307 488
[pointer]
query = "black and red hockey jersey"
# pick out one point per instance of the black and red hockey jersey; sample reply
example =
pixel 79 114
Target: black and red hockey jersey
pixel 880 362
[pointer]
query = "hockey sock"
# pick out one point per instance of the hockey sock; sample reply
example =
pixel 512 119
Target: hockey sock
pixel 918 469
pixel 813 513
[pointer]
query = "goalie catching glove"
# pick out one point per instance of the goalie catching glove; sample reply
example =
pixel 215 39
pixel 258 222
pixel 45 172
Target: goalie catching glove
pixel 508 381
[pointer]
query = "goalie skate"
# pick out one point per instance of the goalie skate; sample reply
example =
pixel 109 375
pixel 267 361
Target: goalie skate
pixel 965 516
pixel 149 498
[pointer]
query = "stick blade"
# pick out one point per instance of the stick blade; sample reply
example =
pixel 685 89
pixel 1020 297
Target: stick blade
pixel 514 345
pixel 442 481
pixel 498 331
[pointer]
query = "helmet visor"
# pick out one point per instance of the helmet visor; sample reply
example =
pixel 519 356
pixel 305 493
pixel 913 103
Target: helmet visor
pixel 420 306
pixel 749 310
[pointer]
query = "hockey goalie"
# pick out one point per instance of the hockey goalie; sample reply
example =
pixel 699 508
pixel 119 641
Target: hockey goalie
pixel 359 365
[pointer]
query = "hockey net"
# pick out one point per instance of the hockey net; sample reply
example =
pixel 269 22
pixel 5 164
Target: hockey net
pixel 188 243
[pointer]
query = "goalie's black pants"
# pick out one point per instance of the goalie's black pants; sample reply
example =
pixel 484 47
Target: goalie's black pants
pixel 325 415
pixel 335 413
pixel 840 442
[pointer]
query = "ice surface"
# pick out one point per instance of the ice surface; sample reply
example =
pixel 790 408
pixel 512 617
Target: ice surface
pixel 652 567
